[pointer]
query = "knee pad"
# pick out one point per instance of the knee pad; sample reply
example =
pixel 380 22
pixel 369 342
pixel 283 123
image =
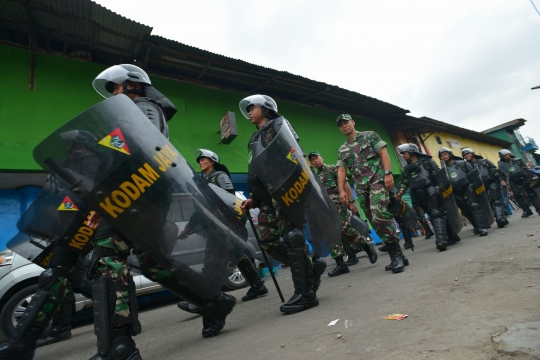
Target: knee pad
pixel 47 278
pixel 435 213
pixel 475 206
pixel 294 239
pixel 498 203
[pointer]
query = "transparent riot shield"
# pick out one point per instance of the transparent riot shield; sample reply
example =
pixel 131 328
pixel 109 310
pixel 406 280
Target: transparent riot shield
pixel 59 217
pixel 402 211
pixel 359 225
pixel 284 170
pixel 33 249
pixel 449 202
pixel 481 195
pixel 118 163
pixel 504 172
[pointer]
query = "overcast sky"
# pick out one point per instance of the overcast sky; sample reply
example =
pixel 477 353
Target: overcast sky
pixel 470 63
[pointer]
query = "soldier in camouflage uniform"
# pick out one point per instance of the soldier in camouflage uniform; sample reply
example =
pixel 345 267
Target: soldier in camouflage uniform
pixel 328 177
pixel 519 181
pixel 492 181
pixel 282 239
pixel 465 197
pixel 218 174
pixel 366 157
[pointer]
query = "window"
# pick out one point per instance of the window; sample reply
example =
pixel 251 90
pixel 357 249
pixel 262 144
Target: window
pixel 438 140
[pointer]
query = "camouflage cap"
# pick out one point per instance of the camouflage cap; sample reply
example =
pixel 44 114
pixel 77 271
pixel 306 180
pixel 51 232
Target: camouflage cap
pixel 345 117
pixel 313 153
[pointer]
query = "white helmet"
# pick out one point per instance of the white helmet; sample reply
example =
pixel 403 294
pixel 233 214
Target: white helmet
pixel 199 153
pixel 118 74
pixel 257 100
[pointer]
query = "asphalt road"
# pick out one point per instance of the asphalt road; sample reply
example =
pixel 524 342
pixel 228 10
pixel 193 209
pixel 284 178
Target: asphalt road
pixel 455 301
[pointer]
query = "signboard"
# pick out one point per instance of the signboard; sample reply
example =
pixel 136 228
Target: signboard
pixel 228 131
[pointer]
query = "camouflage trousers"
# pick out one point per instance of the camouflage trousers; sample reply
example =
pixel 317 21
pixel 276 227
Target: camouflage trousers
pixel 348 233
pixel 59 290
pixel 374 203
pixel 273 224
pixel 525 196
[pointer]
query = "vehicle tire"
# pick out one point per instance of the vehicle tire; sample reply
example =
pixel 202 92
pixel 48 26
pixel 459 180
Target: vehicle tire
pixel 235 280
pixel 14 308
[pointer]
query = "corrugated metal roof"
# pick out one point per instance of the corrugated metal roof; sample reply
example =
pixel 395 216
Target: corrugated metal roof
pixel 510 125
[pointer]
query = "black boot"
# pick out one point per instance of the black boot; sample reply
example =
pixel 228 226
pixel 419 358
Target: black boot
pixel 318 269
pixel 340 269
pixel 408 244
pixel 351 260
pixel 526 212
pixel 60 328
pixel 190 308
pixel 479 223
pixel 396 262
pixel 441 234
pixel 383 248
pixel 304 292
pixel 403 258
pixel 22 349
pixel 121 347
pixel 502 221
pixel 429 235
pixel 216 310
pixel 248 270
pixel 371 253
pixel 453 239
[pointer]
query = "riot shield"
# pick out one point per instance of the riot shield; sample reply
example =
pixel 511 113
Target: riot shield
pixel 359 225
pixel 284 170
pixel 59 217
pixel 504 172
pixel 33 249
pixel 402 211
pixel 481 195
pixel 121 166
pixel 448 200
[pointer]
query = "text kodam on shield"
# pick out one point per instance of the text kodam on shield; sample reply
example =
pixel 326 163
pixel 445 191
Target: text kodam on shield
pixel 129 191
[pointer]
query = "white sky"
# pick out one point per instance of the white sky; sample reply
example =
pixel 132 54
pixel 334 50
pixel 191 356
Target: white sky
pixel 470 63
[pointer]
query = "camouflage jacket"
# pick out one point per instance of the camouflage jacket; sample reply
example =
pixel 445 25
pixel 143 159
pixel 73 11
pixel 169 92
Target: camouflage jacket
pixel 328 177
pixel 427 163
pixel 361 157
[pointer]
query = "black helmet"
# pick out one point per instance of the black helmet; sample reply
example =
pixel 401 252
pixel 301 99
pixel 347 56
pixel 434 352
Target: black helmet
pixel 505 152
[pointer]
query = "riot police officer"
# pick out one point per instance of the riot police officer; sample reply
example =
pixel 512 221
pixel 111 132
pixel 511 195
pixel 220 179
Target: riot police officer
pixel 458 169
pixel 492 181
pixel 280 220
pixel 419 178
pixel 518 174
pixel 217 173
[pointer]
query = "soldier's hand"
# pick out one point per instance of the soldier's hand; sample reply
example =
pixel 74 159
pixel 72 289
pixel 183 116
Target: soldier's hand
pixel 93 220
pixel 389 182
pixel 343 197
pixel 247 205
pixel 353 208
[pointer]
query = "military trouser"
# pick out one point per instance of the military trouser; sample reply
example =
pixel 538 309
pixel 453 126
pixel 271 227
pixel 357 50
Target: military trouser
pixel 273 226
pixel 374 203
pixel 348 233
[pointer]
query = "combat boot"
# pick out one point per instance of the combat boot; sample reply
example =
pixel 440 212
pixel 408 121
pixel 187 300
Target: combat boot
pixel 22 349
pixel 403 258
pixel 257 288
pixel 371 253
pixel 429 235
pixel 216 310
pixel 453 239
pixel 189 307
pixel 60 328
pixel 351 260
pixel 526 213
pixel 383 248
pixel 121 346
pixel 408 244
pixel 397 265
pixel 441 234
pixel 304 292
pixel 318 269
pixel 340 269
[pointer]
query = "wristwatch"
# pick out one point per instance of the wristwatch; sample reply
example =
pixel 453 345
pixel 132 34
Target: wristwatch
pixel 387 172
pixel 351 200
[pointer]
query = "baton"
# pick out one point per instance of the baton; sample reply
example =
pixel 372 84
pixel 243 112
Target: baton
pixel 268 263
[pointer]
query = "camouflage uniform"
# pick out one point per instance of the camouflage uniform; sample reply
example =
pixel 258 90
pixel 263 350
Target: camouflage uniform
pixel 328 177
pixel 524 195
pixel 361 157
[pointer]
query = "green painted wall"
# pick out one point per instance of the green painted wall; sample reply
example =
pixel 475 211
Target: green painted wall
pixel 63 89
pixel 503 135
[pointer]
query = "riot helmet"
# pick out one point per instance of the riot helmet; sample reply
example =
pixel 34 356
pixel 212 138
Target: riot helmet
pixel 120 74
pixel 199 153
pixel 410 148
pixel 466 151
pixel 79 139
pixel 452 156
pixel 505 152
pixel 264 101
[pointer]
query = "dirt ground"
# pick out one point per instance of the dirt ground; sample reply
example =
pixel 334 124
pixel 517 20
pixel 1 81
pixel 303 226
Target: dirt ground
pixel 456 301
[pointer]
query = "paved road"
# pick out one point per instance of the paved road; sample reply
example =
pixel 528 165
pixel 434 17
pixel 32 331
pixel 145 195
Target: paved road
pixel 456 301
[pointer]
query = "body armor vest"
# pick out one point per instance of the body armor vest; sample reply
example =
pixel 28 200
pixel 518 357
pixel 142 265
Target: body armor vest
pixel 458 177
pixel 515 172
pixel 484 173
pixel 417 175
